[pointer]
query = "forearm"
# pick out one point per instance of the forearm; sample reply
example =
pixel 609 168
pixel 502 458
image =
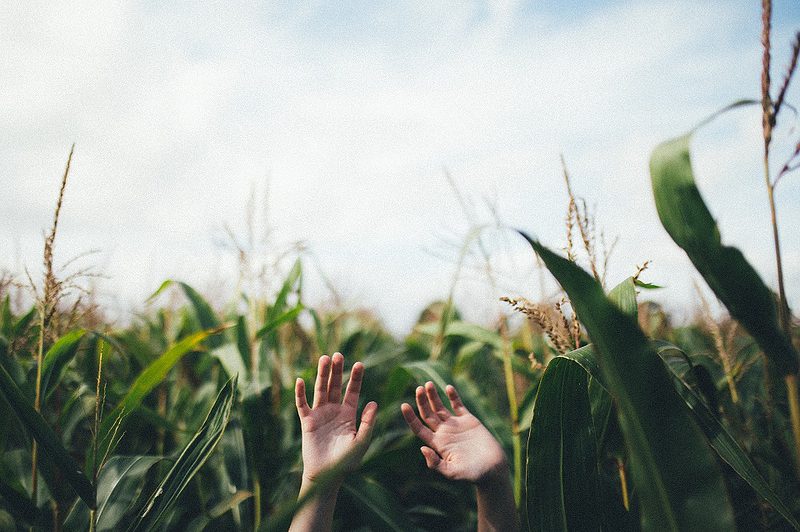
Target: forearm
pixel 496 508
pixel 317 513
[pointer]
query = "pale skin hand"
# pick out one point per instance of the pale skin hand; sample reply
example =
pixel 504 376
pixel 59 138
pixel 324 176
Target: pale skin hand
pixel 330 435
pixel 459 447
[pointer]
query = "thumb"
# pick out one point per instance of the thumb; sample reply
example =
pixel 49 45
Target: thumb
pixel 432 460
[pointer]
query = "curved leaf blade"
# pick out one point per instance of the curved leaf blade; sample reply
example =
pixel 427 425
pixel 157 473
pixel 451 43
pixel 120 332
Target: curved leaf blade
pixel 47 438
pixel 679 484
pixel 734 281
pixel 58 356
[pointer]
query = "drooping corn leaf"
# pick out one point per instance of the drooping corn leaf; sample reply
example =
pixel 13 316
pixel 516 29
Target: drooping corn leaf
pixel 624 296
pixel 561 473
pixel 47 439
pixel 734 281
pixel 206 316
pixel 678 482
pixel 58 356
pixel 191 459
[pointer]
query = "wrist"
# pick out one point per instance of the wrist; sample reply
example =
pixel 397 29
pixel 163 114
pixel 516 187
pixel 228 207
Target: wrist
pixel 323 484
pixel 496 475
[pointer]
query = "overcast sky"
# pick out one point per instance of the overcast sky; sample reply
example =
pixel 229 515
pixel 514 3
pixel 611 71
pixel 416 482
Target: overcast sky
pixel 349 113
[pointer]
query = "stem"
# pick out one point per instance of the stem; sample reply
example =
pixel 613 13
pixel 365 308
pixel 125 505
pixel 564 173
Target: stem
pixel 623 484
pixel 783 314
pixel 508 372
pixel 256 502
pixel 97 406
pixel 37 404
pixel 794 411
pixel 768 122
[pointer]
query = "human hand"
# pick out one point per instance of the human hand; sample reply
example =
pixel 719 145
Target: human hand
pixel 457 445
pixel 329 427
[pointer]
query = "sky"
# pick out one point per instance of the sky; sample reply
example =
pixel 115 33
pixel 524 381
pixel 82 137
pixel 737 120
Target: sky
pixel 340 122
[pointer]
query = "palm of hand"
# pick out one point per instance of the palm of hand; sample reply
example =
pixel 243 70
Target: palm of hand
pixel 468 449
pixel 329 427
pixel 458 445
pixel 329 433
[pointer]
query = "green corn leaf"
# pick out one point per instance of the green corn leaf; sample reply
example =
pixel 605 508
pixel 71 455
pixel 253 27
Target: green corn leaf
pixel 191 459
pixel 734 281
pixel 243 341
pixel 58 356
pixel 677 480
pixel 16 501
pixel 21 325
pixel 205 314
pixel 148 379
pixel 624 296
pixel 47 439
pixel 279 320
pixel 726 447
pixel 378 504
pixel 119 484
pixel 562 472
pixel 291 282
pixel 6 317
pixel 718 436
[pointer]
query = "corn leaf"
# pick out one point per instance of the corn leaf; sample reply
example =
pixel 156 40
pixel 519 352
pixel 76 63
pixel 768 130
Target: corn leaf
pixel 58 356
pixel 205 314
pixel 191 459
pixel 279 320
pixel 718 436
pixel 378 504
pixel 734 281
pixel 677 479
pixel 624 296
pixel 148 379
pixel 47 439
pixel 562 475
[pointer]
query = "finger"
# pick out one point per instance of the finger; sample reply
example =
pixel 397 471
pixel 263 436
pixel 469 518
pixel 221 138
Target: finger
pixel 455 400
pixel 335 383
pixel 436 402
pixel 417 427
pixel 425 409
pixel 354 385
pixel 432 460
pixel 367 422
pixel 321 385
pixel 300 398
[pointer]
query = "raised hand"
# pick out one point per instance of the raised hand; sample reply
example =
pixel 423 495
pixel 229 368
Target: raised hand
pixel 459 447
pixel 457 444
pixel 329 426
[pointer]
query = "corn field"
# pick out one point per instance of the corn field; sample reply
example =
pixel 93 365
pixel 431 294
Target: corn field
pixel 611 417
